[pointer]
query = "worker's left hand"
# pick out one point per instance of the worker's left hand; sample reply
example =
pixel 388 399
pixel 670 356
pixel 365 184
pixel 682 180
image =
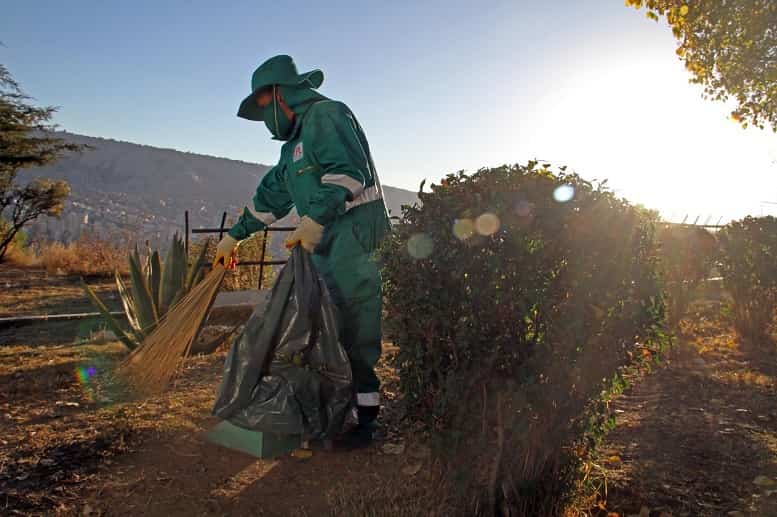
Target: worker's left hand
pixel 226 251
pixel 308 235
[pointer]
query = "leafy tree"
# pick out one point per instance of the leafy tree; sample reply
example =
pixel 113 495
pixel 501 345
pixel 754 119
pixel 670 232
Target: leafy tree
pixel 26 140
pixel 730 47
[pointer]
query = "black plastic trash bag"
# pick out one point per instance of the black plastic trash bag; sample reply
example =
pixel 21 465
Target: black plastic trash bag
pixel 287 371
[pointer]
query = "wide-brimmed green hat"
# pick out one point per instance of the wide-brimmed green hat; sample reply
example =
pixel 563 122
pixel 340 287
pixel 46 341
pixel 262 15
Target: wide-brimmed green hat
pixel 276 70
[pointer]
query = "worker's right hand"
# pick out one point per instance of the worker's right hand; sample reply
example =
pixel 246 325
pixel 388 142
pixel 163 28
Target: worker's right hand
pixel 226 252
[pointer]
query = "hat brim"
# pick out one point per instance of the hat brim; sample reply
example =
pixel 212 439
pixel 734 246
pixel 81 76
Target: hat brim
pixel 250 110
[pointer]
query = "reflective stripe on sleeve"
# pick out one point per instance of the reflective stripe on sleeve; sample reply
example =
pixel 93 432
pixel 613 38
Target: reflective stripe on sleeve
pixel 266 217
pixel 353 186
pixel 372 193
pixel 368 399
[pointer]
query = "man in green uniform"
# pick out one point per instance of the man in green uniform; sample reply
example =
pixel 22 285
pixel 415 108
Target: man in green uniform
pixel 327 173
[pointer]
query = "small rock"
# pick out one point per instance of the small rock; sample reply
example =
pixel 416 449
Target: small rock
pixel 764 481
pixel 411 470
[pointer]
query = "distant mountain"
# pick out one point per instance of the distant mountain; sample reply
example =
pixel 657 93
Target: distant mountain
pixel 121 186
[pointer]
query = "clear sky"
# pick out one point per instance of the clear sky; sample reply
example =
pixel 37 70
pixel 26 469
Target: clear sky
pixel 438 86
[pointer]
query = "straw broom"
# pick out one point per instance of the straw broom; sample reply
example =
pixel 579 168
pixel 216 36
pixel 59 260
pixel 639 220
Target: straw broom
pixel 150 367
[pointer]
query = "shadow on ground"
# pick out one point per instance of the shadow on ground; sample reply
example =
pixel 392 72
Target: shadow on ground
pixel 694 436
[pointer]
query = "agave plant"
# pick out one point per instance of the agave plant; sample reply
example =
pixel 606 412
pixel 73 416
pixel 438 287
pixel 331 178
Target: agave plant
pixel 153 288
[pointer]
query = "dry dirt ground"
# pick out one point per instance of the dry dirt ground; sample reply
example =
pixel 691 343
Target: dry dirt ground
pixel 698 436
pixel 67 448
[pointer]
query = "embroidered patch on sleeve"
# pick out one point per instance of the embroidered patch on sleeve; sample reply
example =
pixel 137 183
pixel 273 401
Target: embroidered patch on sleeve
pixel 297 156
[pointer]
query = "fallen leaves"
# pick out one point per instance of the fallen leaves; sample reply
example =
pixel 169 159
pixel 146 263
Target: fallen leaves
pixel 302 454
pixel 764 482
pixel 393 448
pixel 61 403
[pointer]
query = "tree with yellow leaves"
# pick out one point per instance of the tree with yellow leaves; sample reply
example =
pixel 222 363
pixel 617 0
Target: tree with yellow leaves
pixel 730 47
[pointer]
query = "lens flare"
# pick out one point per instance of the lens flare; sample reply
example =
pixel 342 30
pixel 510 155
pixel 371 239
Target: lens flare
pixel 463 229
pixel 487 224
pixel 564 193
pixel 420 246
pixel 83 374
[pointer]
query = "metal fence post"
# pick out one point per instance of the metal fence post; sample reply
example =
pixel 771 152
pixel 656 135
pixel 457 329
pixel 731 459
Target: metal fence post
pixel 264 251
pixel 221 227
pixel 186 232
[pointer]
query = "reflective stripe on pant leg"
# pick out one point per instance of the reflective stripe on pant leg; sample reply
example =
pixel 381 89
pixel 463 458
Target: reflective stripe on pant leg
pixel 371 398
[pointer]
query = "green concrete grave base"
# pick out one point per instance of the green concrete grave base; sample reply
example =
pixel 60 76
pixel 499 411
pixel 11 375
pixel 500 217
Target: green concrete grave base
pixel 255 443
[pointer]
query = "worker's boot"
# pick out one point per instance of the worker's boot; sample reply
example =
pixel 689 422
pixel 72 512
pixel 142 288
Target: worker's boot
pixel 363 434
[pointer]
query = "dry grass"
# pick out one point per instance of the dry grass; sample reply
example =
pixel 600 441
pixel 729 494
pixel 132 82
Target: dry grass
pixel 20 258
pixel 88 256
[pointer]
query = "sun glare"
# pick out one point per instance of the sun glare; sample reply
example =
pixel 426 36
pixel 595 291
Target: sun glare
pixel 645 129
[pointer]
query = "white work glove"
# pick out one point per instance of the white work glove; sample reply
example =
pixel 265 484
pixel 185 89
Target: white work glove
pixel 308 235
pixel 226 251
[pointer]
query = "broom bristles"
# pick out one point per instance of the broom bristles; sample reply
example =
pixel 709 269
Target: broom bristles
pixel 151 366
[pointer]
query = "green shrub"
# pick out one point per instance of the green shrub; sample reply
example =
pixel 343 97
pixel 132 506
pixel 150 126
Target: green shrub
pixel 748 264
pixel 514 296
pixel 687 256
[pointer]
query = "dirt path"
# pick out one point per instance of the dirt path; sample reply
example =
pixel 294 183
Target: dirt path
pixel 70 447
pixel 179 473
pixel 699 436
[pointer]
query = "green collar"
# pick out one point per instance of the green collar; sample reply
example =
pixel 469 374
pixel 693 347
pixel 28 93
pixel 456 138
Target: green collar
pixel 299 115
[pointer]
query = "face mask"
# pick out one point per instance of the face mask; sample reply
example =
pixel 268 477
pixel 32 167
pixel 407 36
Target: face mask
pixel 275 119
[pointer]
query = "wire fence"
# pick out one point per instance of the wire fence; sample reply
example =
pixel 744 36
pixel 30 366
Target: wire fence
pixel 262 262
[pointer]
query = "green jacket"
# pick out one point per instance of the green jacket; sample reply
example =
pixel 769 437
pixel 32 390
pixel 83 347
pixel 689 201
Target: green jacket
pixel 325 170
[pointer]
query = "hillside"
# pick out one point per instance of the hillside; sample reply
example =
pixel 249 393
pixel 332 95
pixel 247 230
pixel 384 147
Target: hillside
pixel 125 187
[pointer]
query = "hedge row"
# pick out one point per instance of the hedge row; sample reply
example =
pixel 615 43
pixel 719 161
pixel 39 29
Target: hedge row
pixel 515 295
